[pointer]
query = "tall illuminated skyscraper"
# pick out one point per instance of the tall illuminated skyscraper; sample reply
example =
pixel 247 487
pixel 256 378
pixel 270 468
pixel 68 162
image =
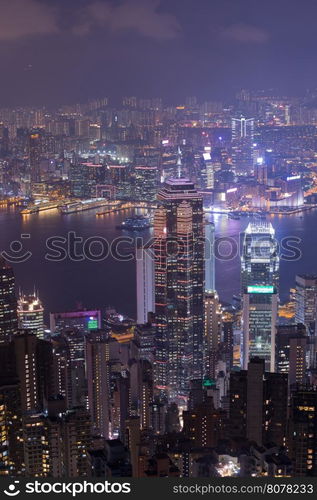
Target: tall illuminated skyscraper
pixel 8 302
pixel 98 378
pixel 35 149
pixel 242 130
pixel 259 277
pixel 179 288
pixel 31 314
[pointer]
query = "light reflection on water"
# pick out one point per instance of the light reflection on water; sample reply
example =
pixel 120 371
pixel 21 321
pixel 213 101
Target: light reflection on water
pixel 98 284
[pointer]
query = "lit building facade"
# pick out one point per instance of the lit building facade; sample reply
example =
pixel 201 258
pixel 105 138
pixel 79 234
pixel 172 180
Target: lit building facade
pixel 179 288
pixel 31 314
pixel 8 302
pixel 259 277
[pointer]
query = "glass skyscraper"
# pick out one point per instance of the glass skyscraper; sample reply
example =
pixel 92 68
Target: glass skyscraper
pixel 259 278
pixel 179 288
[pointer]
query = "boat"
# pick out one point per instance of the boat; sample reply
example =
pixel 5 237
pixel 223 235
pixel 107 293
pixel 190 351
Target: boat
pixel 234 216
pixel 136 223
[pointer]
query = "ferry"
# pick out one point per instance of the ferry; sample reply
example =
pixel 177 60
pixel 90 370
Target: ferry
pixel 233 216
pixel 80 206
pixel 136 223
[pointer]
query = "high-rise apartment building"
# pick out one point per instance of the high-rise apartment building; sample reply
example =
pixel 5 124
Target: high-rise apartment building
pixel 258 404
pixel 97 353
pixel 303 431
pixel 291 350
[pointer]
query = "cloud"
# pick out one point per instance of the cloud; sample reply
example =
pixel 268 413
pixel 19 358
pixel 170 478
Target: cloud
pixel 245 33
pixel 139 16
pixel 19 18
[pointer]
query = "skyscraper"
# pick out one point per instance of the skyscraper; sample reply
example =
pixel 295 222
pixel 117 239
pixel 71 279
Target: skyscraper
pixel 98 381
pixel 35 150
pixel 209 257
pixel 31 314
pixel 8 302
pixel 259 277
pixel 242 130
pixel 306 301
pixel 179 287
pixel 144 283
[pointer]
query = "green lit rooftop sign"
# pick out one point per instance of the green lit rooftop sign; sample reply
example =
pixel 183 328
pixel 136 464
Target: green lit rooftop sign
pixel 261 289
pixel 92 324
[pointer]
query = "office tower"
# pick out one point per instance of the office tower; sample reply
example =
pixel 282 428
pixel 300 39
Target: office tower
pixel 291 349
pixel 261 171
pixel 210 257
pixel 258 404
pixel 79 181
pixel 143 342
pixel 146 182
pixel 306 301
pixel 35 152
pixel 302 440
pixel 179 288
pixel 213 327
pixel 242 130
pixel 8 302
pixel 259 277
pixel 97 353
pixel 31 314
pixel 145 283
pixel 83 321
pixel 170 162
pixel 120 176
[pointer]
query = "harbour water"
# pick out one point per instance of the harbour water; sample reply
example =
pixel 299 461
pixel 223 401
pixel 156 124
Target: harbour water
pixel 75 280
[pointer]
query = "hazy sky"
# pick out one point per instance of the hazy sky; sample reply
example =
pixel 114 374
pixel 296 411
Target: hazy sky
pixel 55 51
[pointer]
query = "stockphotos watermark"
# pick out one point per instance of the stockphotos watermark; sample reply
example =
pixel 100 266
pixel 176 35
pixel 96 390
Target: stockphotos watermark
pixel 76 248
pixel 72 488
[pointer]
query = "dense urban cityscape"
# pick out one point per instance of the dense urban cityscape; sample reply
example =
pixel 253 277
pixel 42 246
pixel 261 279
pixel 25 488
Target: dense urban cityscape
pixel 192 385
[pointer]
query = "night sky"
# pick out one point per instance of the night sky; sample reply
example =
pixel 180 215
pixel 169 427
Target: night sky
pixel 58 51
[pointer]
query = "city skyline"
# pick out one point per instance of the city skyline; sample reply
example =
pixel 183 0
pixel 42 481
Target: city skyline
pixel 158 213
